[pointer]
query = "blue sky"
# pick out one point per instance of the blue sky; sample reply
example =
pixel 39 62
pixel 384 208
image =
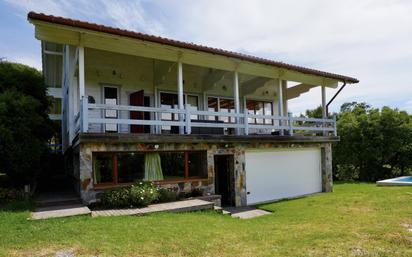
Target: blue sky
pixel 367 39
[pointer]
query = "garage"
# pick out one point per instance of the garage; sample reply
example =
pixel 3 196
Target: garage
pixel 282 173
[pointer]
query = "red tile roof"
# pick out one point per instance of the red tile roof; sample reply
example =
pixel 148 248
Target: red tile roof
pixel 181 44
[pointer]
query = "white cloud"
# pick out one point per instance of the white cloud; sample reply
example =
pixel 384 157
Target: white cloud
pixel 367 39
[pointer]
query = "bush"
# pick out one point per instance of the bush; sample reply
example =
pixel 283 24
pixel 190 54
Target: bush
pixel 10 194
pixel 118 197
pixel 138 195
pixel 166 195
pixel 143 194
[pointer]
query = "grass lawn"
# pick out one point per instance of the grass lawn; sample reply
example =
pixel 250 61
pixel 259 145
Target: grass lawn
pixel 355 220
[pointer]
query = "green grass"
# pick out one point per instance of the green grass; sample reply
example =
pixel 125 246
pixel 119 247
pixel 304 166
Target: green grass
pixel 355 220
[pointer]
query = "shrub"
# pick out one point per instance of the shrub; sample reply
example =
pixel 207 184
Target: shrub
pixel 118 197
pixel 143 194
pixel 138 195
pixel 166 195
pixel 10 194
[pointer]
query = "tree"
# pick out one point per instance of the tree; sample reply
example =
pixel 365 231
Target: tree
pixel 24 123
pixel 374 143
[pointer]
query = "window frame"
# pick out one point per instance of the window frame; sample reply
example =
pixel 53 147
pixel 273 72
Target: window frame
pixel 116 171
pixel 254 120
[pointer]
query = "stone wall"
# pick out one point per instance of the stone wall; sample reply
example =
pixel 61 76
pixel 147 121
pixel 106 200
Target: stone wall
pixel 89 193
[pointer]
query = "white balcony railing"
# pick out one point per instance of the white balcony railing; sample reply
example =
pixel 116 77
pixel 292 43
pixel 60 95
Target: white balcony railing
pixel 281 124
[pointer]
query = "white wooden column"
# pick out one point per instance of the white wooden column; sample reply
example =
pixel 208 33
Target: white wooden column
pixel 180 93
pixel 81 72
pixel 324 114
pixel 280 103
pixel 236 98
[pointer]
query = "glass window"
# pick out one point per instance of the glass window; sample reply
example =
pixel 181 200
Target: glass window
pixel 259 108
pixel 173 165
pixel 56 107
pixel 110 98
pixel 130 167
pixel 194 104
pixel 103 168
pixel 197 164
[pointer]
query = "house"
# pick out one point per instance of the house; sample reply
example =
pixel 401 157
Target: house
pixel 188 117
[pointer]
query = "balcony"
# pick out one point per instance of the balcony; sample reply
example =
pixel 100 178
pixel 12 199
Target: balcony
pixel 192 121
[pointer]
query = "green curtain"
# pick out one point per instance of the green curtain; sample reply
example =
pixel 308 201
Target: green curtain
pixel 152 167
pixel 97 176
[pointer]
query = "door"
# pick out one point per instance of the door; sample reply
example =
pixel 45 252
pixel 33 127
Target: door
pixel 224 179
pixel 110 97
pixel 137 99
pixel 283 173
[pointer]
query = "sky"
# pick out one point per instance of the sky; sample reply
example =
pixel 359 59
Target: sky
pixel 367 39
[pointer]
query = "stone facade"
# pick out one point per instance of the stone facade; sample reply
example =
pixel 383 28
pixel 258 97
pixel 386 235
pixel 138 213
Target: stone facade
pixel 89 193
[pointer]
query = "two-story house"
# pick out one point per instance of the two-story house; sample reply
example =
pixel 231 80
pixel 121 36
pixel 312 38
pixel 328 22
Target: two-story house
pixel 141 107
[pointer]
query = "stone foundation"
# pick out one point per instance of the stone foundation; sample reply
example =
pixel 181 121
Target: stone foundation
pixel 89 193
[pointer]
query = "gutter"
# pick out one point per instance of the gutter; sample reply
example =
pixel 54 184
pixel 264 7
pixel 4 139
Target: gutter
pixel 333 98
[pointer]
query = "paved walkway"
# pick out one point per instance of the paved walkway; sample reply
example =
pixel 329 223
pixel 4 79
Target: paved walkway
pixel 59 211
pixel 244 212
pixel 179 206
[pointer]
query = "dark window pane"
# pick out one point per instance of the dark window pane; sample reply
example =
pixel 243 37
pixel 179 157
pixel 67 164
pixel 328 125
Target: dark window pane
pixel 130 167
pixel 103 168
pixel 173 165
pixel 110 93
pixel 212 104
pixel 197 164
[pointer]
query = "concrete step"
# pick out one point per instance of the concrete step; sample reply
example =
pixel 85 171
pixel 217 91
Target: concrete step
pixel 60 211
pixel 56 199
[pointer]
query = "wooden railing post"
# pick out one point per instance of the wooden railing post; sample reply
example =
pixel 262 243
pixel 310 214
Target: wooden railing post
pixel 188 120
pixel 290 123
pixel 246 121
pixel 84 123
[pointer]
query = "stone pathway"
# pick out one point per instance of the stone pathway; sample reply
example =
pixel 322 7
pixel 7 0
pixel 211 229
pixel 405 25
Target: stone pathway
pixel 179 206
pixel 59 211
pixel 244 212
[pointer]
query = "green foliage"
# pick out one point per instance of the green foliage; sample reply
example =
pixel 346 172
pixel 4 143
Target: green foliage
pixel 374 143
pixel 117 197
pixel 143 194
pixel 10 194
pixel 166 195
pixel 355 220
pixel 24 123
pixel 137 195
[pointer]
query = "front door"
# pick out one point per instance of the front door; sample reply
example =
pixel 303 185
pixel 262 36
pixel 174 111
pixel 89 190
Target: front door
pixel 224 179
pixel 137 99
pixel 110 97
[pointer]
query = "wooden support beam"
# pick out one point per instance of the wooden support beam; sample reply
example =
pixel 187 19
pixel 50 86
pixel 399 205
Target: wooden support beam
pixel 236 96
pixel 180 92
pixel 280 102
pixel 297 90
pixel 81 72
pixel 324 114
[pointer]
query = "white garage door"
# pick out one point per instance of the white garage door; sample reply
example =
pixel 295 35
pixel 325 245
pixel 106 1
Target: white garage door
pixel 282 173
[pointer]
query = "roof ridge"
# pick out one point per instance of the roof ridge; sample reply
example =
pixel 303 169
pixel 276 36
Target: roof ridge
pixel 182 44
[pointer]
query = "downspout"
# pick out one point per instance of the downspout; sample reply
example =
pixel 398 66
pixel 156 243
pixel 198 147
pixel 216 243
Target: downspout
pixel 333 98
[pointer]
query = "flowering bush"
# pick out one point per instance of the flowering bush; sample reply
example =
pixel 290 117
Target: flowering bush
pixel 143 194
pixel 138 195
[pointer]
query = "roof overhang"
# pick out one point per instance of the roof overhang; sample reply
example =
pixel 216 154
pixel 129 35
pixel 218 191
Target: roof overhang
pixel 72 32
